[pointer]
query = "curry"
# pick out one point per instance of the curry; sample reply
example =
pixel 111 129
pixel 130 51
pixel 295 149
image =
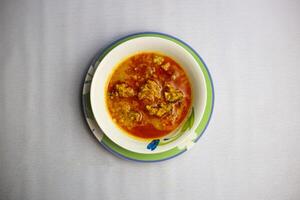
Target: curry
pixel 148 95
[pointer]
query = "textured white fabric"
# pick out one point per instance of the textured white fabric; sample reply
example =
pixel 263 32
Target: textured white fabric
pixel 249 151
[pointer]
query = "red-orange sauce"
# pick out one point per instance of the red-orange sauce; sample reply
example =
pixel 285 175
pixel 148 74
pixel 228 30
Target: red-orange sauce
pixel 148 95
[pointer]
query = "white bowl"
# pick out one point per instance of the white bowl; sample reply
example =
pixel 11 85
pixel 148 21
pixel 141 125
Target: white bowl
pixel 132 46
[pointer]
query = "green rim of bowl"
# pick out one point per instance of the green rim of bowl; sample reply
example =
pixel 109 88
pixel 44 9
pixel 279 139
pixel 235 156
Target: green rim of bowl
pixel 124 153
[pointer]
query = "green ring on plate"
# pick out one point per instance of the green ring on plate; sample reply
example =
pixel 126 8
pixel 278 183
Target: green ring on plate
pixel 124 153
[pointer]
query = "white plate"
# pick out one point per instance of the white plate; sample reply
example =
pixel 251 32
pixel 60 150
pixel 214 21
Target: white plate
pixel 128 48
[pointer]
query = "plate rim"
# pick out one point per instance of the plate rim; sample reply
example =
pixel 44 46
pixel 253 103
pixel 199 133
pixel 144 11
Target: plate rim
pixel 124 153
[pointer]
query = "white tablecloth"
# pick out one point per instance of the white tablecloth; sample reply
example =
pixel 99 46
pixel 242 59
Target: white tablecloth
pixel 250 150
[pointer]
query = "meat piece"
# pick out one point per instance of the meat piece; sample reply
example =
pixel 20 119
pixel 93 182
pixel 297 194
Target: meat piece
pixel 159 109
pixel 135 116
pixel 149 71
pixel 166 66
pixel 123 90
pixel 150 90
pixel 123 108
pixel 130 117
pixel 172 94
pixel 127 115
pixel 158 59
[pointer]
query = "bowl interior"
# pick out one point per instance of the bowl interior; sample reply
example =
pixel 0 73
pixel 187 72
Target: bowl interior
pixel 126 49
